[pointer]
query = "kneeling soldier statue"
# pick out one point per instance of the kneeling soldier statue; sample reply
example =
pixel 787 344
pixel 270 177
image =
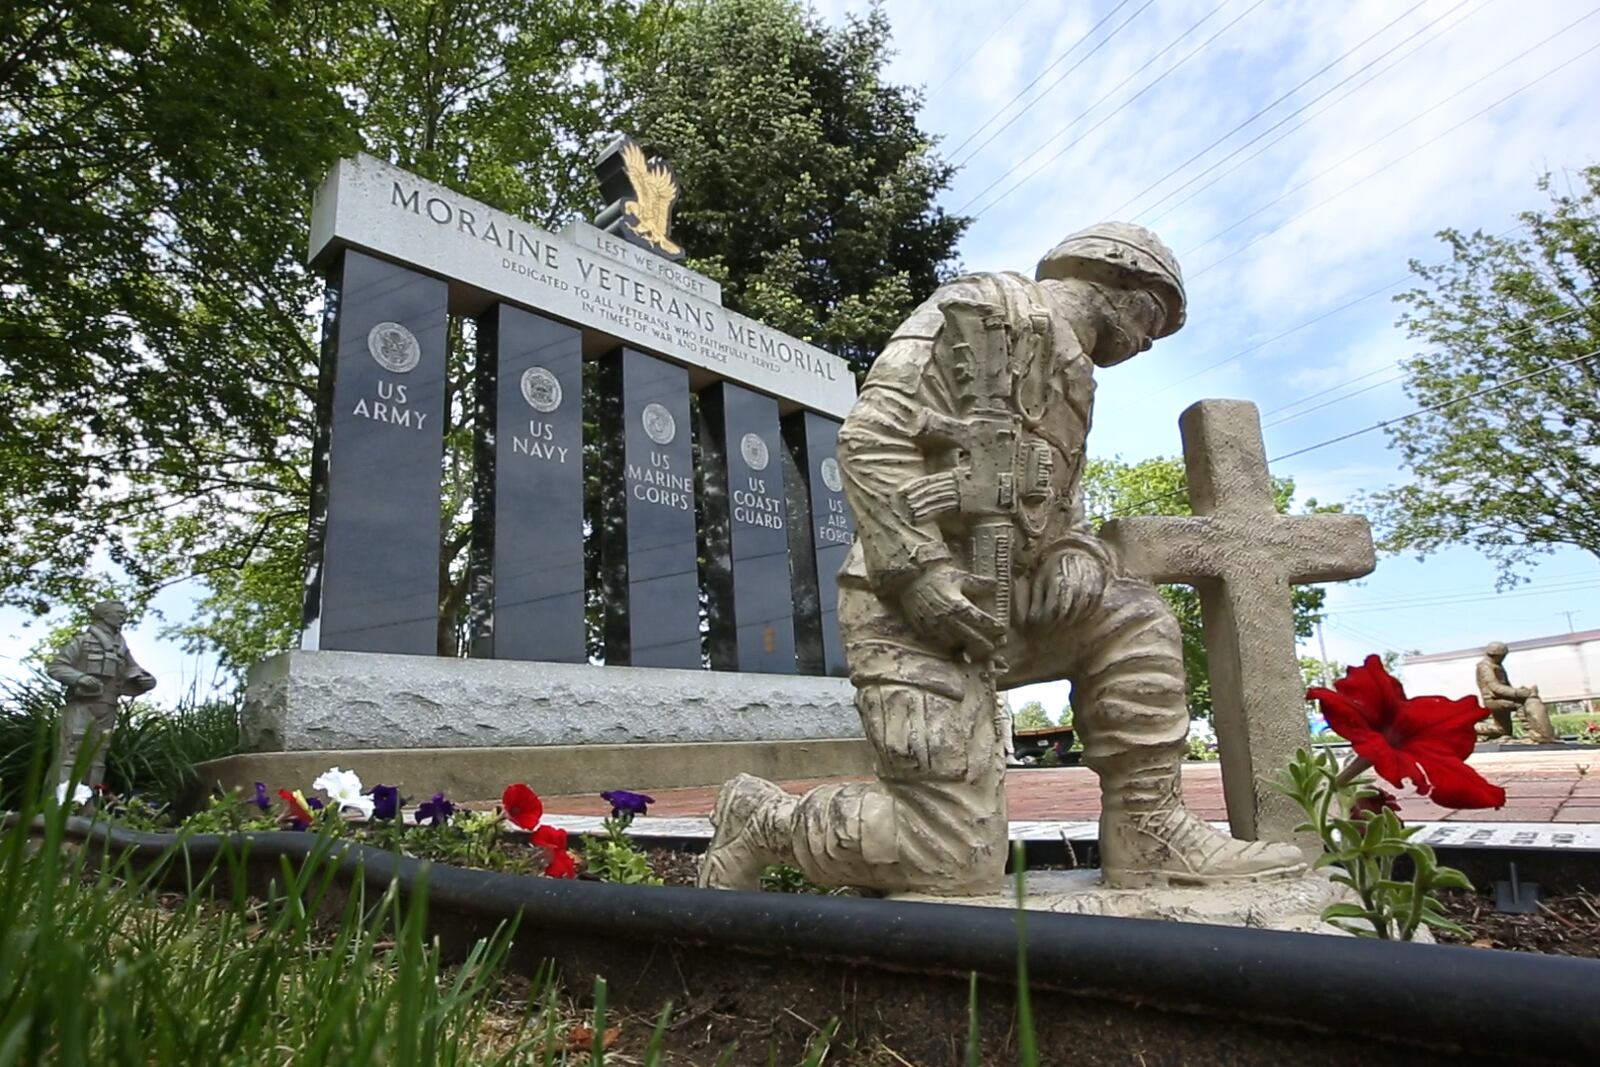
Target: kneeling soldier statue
pixel 96 668
pixel 975 569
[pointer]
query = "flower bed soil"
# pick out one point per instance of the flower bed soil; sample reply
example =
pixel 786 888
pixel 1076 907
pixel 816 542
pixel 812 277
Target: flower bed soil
pixel 1564 925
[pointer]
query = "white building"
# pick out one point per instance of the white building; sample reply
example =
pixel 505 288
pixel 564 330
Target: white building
pixel 1565 667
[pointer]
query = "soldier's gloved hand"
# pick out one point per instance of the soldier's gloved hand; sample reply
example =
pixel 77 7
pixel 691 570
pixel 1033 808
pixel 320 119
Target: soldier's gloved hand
pixel 937 604
pixel 89 686
pixel 1066 588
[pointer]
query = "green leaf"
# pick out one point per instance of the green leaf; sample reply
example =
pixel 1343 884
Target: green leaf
pixel 1451 878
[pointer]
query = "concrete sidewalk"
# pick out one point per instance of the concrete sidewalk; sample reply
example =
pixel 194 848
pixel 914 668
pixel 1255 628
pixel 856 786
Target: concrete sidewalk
pixel 1541 787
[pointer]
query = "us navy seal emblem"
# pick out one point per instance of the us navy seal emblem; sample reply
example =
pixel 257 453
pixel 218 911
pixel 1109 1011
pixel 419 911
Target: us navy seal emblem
pixel 541 390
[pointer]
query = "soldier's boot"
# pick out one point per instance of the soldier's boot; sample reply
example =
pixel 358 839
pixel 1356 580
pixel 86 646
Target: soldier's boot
pixel 1147 836
pixel 753 827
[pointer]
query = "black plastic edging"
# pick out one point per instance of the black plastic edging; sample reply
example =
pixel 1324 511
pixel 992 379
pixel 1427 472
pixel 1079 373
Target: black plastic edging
pixel 1482 1000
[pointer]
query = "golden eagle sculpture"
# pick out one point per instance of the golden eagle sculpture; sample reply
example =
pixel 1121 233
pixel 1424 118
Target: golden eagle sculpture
pixel 654 191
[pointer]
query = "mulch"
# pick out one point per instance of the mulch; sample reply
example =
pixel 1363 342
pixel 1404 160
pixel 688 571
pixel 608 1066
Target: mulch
pixel 1566 925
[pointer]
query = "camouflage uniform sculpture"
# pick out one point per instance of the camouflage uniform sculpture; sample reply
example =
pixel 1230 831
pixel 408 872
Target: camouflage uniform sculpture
pixel 1509 704
pixel 974 568
pixel 96 668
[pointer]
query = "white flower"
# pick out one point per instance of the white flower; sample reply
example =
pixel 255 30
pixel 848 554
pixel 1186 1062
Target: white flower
pixel 81 794
pixel 344 789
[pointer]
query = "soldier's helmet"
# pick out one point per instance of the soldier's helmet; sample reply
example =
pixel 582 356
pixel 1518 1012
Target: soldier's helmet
pixel 1495 648
pixel 1117 253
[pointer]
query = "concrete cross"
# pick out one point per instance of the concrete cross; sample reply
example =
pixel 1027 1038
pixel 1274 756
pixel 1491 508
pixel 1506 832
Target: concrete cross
pixel 1242 556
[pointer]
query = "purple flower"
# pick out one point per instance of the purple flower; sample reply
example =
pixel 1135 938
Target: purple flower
pixel 437 811
pixel 315 804
pixel 263 801
pixel 624 802
pixel 385 801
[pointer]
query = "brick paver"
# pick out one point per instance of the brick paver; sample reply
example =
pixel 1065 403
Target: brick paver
pixel 1540 787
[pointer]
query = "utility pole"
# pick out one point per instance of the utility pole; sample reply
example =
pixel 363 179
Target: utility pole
pixel 1322 646
pixel 1569 614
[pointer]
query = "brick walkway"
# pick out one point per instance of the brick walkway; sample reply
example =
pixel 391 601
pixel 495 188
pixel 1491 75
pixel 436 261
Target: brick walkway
pixel 1541 787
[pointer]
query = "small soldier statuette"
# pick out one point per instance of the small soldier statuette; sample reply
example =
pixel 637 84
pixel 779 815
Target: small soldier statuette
pixel 97 669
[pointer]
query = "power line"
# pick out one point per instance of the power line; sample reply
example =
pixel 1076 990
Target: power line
pixel 1551 584
pixel 1068 147
pixel 1293 129
pixel 1329 389
pixel 1346 628
pixel 1425 603
pixel 1064 74
pixel 1002 24
pixel 1435 407
pixel 990 139
pixel 1388 381
pixel 1134 508
pixel 1117 211
pixel 1023 91
pixel 1368 177
pixel 1208 368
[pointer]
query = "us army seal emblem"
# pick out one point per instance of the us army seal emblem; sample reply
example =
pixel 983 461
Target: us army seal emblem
pixel 394 347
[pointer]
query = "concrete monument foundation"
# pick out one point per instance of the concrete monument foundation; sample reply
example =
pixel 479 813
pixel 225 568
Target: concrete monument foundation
pixel 470 726
pixel 299 701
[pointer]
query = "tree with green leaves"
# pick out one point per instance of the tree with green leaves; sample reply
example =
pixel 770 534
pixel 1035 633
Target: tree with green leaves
pixel 1031 716
pixel 1113 488
pixel 158 352
pixel 1507 454
pixel 154 350
pixel 157 164
pixel 808 189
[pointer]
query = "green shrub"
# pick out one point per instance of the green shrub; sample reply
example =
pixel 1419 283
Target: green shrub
pixel 153 750
pixel 1583 727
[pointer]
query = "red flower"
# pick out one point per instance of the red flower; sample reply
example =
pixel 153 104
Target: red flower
pixel 522 806
pixel 296 807
pixel 1425 739
pixel 1370 804
pixel 552 837
pixel 561 865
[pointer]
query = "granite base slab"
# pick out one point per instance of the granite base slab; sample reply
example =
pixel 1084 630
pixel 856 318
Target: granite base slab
pixel 319 701
pixel 481 774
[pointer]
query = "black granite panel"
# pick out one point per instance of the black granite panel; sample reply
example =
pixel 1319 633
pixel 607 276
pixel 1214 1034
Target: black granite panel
pixel 527 580
pixel 821 532
pixel 373 575
pixel 749 601
pixel 648 572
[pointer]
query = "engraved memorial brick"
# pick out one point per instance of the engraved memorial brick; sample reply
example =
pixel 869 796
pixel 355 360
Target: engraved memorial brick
pixel 527 551
pixel 649 578
pixel 749 604
pixel 373 555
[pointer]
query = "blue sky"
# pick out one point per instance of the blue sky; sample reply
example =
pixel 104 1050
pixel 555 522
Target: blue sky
pixel 1316 221
pixel 1319 219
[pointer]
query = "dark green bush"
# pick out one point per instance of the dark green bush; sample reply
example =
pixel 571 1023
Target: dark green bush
pixel 153 750
pixel 1574 725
